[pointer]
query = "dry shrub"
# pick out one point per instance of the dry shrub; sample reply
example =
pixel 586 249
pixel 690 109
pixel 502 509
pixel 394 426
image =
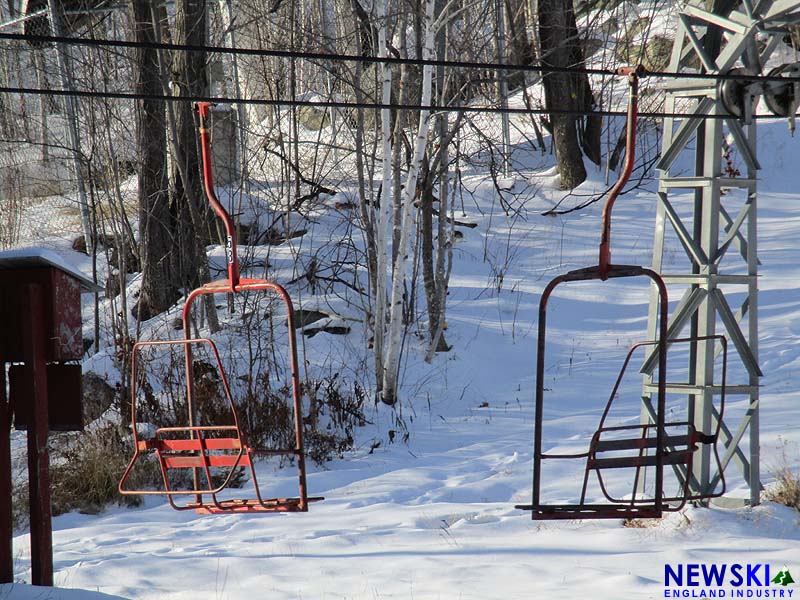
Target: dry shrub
pixel 333 407
pixel 335 410
pixel 335 413
pixel 786 489
pixel 640 523
pixel 20 503
pixel 85 470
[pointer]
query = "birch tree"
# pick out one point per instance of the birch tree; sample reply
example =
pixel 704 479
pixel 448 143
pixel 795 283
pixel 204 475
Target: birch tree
pixel 436 233
pixel 400 268
pixel 381 231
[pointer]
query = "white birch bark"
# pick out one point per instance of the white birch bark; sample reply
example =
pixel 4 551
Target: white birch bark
pixel 395 336
pixel 381 231
pixel 502 86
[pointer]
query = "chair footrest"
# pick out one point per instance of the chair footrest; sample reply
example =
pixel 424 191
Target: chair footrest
pixel 594 511
pixel 250 505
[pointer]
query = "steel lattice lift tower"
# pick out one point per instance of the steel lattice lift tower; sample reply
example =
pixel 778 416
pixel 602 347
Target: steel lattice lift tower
pixel 710 208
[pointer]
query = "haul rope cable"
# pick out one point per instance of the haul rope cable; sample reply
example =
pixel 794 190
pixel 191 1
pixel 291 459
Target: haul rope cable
pixel 375 106
pixel 544 69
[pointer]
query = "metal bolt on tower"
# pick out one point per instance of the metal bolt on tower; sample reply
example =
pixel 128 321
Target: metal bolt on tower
pixel 707 208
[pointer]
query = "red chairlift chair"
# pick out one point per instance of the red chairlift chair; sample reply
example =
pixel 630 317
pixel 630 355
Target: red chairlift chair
pixel 218 447
pixel 643 448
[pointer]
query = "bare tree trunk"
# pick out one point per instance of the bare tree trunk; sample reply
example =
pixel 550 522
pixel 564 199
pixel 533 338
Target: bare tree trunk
pixel 400 120
pixel 367 218
pixel 427 254
pixel 384 209
pixel 401 264
pixel 226 8
pixel 328 31
pixel 444 251
pixel 433 246
pixel 41 80
pixel 192 225
pixel 558 36
pixel 159 289
pixel 520 46
pixel 436 245
pixel 64 63
pixel 502 87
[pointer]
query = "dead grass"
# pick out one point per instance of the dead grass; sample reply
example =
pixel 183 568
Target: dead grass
pixel 86 468
pixel 641 523
pixel 786 489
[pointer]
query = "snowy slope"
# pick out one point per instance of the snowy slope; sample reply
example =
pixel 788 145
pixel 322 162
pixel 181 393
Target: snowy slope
pixel 435 518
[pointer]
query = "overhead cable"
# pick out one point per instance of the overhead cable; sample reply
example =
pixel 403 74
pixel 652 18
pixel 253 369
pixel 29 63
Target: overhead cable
pixel 321 56
pixel 357 105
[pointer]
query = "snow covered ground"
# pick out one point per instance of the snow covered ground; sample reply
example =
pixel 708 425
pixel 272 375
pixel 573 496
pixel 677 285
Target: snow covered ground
pixel 435 518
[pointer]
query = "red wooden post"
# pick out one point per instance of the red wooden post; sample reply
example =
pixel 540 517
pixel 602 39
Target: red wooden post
pixel 38 454
pixel 6 523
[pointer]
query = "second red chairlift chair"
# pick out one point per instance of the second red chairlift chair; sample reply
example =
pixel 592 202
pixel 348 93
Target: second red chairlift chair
pixel 215 452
